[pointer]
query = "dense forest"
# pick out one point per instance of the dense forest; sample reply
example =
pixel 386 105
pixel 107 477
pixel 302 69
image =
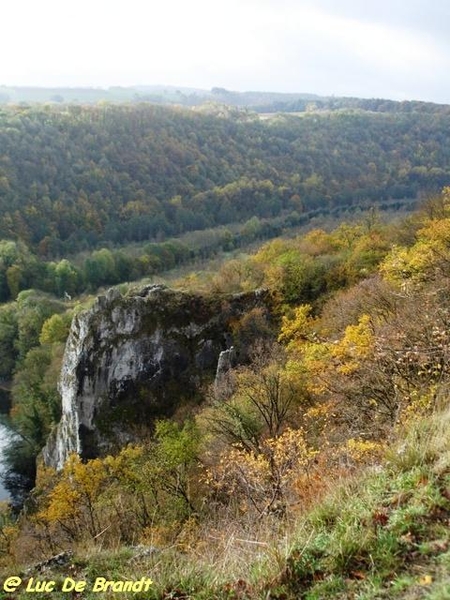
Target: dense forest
pixel 341 382
pixel 74 177
pixel 95 178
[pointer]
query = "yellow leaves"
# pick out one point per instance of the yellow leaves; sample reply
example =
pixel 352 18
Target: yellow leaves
pixel 429 255
pixel 295 329
pixel 317 421
pixel 317 412
pixel 403 264
pixel 80 483
pixel 290 451
pixel 356 345
pixel 318 362
pixel 88 477
pixel 321 359
pixel 262 475
pixel 294 375
pixel 362 451
pixel 425 580
pixel 315 361
pixel 125 466
pixel 357 340
pixel 64 503
pixel 273 276
pixel 44 476
pixel 251 465
pixel 317 242
pixel 239 472
pixel 115 497
pixel 419 405
pixel 437 233
pixel 9 532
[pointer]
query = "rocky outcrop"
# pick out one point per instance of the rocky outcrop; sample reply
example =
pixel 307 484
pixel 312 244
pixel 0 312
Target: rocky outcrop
pixel 227 360
pixel 131 359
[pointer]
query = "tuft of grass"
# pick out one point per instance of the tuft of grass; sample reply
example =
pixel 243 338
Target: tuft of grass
pixel 384 534
pixel 387 535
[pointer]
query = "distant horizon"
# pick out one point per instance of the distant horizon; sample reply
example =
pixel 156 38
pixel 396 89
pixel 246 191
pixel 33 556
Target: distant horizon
pixel 207 90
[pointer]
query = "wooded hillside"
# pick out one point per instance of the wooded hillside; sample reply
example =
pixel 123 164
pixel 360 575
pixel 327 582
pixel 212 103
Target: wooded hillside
pixel 72 177
pixel 316 468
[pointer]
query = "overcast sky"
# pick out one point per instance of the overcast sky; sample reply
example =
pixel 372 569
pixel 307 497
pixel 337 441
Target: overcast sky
pixel 397 49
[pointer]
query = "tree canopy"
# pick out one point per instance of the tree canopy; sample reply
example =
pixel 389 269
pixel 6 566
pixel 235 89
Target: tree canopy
pixel 72 177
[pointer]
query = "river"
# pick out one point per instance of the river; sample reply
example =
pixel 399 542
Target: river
pixel 4 434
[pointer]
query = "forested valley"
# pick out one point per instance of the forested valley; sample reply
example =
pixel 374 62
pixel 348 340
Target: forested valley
pixel 93 179
pixel 319 467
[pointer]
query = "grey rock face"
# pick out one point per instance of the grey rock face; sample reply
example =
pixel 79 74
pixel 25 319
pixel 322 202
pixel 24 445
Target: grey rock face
pixel 226 361
pixel 129 360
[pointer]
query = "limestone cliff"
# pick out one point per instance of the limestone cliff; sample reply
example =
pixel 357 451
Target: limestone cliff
pixel 131 359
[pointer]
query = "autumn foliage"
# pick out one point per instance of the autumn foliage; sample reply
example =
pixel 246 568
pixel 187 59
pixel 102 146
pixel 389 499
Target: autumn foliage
pixel 357 349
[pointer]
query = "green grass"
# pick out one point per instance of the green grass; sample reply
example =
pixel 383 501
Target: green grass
pixel 383 535
pixel 386 536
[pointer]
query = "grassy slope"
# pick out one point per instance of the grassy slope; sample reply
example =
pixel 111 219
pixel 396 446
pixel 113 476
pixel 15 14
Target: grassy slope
pixel 383 534
pixel 387 534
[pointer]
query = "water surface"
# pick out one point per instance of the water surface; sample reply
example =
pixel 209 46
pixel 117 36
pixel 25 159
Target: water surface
pixel 5 405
